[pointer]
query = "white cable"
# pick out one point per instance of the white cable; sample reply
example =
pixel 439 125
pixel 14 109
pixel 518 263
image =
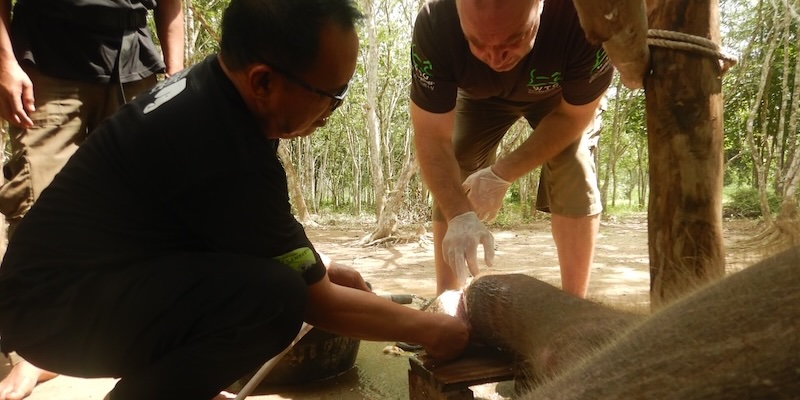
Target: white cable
pixel 264 370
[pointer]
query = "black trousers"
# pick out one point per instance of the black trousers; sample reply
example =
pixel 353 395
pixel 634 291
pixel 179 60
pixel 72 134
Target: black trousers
pixel 179 327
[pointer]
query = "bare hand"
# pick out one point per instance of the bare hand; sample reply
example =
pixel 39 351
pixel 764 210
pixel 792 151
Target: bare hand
pixel 16 95
pixel 344 275
pixel 449 341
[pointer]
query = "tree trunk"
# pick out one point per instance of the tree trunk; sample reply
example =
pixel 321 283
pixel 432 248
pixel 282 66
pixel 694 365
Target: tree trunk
pixel 684 109
pixel 306 157
pixel 642 168
pixel 761 170
pixel 355 157
pixel 792 176
pixel 299 203
pixel 387 220
pixel 780 133
pixel 615 143
pixel 373 123
pixel 789 171
pixel 190 31
pixel 611 146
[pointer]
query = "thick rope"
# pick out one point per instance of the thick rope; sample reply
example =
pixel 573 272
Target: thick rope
pixel 691 43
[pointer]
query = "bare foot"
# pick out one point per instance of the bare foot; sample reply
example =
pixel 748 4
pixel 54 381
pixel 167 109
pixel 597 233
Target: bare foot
pixel 19 383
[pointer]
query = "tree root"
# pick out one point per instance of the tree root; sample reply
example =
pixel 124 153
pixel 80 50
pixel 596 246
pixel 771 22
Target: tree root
pixel 383 239
pixel 774 238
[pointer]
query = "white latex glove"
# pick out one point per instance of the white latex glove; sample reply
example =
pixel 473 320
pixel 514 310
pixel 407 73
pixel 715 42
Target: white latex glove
pixel 485 191
pixel 460 245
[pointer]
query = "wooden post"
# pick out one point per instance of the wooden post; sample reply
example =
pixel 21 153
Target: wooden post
pixel 684 123
pixel 621 25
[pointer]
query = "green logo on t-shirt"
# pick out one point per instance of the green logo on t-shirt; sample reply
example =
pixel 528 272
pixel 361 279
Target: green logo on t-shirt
pixel 601 65
pixel 299 260
pixel 423 69
pixel 423 66
pixel 543 83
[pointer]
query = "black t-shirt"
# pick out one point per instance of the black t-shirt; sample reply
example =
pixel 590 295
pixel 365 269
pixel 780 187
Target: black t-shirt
pixel 561 62
pixel 74 39
pixel 183 168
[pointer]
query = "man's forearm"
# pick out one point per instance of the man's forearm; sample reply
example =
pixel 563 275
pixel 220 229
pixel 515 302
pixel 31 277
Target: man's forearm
pixel 358 314
pixel 438 165
pixel 168 17
pixel 555 132
pixel 6 51
pixel 443 176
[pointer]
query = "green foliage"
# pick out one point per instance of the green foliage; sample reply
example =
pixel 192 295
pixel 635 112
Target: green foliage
pixel 514 214
pixel 202 33
pixel 624 210
pixel 622 162
pixel 750 28
pixel 744 201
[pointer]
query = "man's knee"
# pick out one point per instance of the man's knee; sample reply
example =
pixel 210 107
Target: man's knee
pixel 276 297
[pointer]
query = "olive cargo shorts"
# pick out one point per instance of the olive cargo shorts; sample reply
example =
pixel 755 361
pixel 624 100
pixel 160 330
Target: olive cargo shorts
pixel 568 182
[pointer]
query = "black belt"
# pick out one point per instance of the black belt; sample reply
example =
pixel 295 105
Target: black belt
pixel 91 17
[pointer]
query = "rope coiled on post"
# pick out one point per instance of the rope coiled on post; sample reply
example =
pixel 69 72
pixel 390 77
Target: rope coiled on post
pixel 691 43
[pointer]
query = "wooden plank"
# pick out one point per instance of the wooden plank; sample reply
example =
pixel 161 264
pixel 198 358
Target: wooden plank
pixel 420 388
pixel 477 366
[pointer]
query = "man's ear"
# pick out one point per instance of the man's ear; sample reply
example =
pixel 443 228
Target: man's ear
pixel 260 80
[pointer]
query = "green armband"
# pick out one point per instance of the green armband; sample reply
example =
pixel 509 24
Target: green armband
pixel 300 260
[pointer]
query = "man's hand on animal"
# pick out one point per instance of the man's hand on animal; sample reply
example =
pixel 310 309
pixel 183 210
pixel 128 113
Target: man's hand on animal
pixel 344 275
pixel 449 341
pixel 460 245
pixel 485 191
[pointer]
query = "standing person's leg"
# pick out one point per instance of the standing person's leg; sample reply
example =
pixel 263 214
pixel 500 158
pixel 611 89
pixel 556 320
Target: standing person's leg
pixel 479 127
pixel 568 189
pixel 108 98
pixel 41 151
pixel 445 277
pixel 179 327
pixel 575 239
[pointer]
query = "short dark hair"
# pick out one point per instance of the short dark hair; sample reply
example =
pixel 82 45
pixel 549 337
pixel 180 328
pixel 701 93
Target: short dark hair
pixel 283 32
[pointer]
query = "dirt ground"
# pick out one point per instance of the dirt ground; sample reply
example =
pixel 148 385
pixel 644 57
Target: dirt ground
pixel 619 276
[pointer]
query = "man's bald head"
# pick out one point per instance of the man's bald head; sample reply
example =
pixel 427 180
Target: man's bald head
pixel 500 32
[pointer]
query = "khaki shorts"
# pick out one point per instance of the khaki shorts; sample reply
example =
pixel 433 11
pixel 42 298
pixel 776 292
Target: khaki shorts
pixel 568 182
pixel 66 112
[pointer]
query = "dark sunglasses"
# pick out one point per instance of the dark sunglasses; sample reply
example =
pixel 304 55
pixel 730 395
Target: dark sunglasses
pixel 336 98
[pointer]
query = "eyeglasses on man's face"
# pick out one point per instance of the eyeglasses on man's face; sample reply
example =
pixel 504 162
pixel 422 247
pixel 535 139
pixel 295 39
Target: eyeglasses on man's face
pixel 336 98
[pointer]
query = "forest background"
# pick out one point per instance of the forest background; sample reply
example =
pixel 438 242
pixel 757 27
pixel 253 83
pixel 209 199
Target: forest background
pixel 362 166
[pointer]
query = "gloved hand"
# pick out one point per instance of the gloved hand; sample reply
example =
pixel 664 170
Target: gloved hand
pixel 485 190
pixel 460 245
